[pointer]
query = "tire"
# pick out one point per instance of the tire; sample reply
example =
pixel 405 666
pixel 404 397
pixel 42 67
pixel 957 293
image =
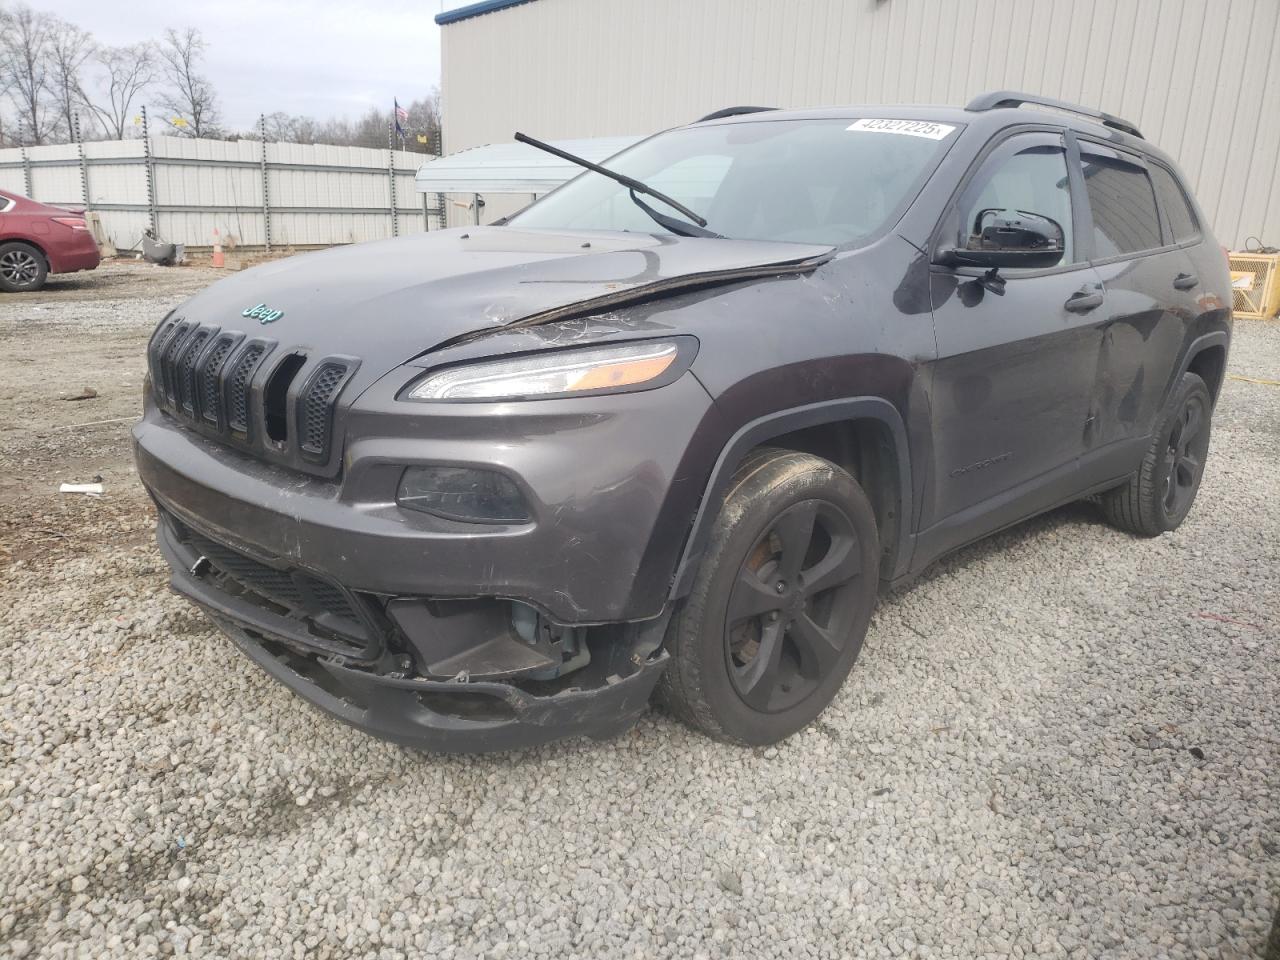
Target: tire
pixel 22 268
pixel 780 603
pixel 1159 496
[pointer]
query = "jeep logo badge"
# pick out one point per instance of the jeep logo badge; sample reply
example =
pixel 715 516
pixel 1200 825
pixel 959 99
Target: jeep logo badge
pixel 262 313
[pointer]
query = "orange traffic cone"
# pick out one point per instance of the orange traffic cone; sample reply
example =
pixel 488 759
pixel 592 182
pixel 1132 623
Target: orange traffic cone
pixel 218 259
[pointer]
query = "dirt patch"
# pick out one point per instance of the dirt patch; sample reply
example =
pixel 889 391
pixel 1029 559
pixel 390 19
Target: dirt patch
pixel 117 279
pixel 85 330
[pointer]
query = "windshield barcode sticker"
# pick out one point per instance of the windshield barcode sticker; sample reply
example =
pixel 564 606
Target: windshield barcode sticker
pixel 909 128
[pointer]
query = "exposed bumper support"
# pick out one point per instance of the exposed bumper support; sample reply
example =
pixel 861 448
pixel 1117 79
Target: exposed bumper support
pixel 444 716
pixel 432 715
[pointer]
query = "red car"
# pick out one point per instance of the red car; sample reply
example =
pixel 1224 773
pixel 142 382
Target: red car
pixel 37 240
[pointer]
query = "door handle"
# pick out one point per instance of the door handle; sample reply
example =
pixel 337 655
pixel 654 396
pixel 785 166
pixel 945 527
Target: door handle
pixel 1083 300
pixel 1185 281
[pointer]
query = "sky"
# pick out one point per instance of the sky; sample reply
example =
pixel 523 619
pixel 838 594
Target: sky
pixel 323 58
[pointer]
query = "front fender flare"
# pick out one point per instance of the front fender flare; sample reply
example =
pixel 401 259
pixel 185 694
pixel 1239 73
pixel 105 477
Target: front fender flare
pixel 762 429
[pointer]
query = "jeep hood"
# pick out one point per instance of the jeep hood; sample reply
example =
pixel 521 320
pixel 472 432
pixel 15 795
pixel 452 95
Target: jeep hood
pixel 390 301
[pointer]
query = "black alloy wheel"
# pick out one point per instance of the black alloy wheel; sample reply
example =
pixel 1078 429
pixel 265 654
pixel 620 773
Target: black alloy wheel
pixel 1159 495
pixel 791 606
pixel 780 604
pixel 1188 444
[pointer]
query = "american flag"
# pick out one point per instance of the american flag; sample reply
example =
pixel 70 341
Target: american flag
pixel 402 117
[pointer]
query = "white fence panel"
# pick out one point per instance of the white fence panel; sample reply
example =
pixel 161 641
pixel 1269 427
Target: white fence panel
pixel 316 194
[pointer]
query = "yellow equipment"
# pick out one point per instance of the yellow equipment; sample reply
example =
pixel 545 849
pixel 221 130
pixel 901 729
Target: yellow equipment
pixel 1255 284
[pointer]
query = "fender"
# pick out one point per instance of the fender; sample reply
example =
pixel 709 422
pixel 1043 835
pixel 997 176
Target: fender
pixel 24 239
pixel 756 432
pixel 1199 345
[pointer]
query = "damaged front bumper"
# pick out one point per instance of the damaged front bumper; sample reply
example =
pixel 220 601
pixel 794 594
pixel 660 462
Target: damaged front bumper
pixel 375 689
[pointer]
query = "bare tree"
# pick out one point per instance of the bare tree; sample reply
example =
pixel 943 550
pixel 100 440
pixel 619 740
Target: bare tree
pixel 190 97
pixel 125 72
pixel 287 128
pixel 369 130
pixel 70 49
pixel 280 127
pixel 24 55
pixel 424 121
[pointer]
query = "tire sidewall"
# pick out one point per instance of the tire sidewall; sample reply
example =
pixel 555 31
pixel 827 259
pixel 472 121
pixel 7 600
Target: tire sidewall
pixel 749 510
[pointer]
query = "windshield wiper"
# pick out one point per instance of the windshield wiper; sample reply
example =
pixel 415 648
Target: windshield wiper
pixel 634 186
pixel 671 223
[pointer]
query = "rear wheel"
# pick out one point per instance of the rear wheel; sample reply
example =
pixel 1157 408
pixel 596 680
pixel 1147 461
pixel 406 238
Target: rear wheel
pixel 1159 496
pixel 22 268
pixel 780 605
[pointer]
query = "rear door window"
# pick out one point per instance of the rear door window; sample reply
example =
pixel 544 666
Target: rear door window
pixel 1123 205
pixel 1177 210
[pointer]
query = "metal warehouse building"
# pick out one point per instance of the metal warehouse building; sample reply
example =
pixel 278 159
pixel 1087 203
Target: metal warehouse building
pixel 1201 78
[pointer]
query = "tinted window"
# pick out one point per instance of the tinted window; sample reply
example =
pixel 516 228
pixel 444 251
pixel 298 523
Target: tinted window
pixel 1123 207
pixel 1181 220
pixel 1032 180
pixel 807 181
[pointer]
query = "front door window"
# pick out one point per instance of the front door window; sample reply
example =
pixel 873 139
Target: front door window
pixel 1031 180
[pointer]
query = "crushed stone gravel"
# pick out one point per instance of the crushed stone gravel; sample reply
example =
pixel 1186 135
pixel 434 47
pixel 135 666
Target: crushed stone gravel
pixel 1061 742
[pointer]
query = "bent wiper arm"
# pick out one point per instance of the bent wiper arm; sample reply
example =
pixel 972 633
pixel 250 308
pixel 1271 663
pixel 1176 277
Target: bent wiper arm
pixel 629 182
pixel 679 228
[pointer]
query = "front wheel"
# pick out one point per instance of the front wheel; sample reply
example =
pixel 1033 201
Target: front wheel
pixel 781 602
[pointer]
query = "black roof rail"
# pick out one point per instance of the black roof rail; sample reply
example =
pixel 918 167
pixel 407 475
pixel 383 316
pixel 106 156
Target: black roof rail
pixel 1011 98
pixel 732 112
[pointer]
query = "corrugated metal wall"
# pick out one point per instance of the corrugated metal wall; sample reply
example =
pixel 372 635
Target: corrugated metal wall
pixel 318 194
pixel 1199 77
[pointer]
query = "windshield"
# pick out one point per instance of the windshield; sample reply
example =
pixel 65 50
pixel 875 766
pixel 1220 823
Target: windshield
pixel 803 181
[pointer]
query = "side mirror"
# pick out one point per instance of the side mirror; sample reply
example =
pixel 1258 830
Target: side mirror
pixel 1008 238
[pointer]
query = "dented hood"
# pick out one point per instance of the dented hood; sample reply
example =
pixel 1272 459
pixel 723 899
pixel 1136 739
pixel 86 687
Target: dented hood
pixel 389 301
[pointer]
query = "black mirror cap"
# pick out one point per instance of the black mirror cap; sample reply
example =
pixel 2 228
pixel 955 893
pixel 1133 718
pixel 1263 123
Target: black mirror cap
pixel 995 259
pixel 1008 238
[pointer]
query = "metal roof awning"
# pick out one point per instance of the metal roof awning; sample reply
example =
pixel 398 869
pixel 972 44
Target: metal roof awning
pixel 513 167
pixel 475 10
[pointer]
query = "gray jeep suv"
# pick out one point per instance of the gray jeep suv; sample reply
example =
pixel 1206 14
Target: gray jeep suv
pixel 676 424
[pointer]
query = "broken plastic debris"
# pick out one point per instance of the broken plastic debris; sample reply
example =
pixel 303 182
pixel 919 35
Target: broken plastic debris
pixel 92 489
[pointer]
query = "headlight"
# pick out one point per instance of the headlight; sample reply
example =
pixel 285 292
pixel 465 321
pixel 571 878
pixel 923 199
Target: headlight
pixel 553 373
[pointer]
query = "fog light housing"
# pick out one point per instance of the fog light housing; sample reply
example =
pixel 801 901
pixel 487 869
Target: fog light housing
pixel 466 494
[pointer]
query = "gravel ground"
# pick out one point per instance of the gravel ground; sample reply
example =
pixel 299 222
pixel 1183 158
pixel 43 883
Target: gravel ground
pixel 1061 742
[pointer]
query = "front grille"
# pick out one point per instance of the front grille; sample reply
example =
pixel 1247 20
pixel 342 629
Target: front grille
pixel 208 375
pixel 314 405
pixel 237 393
pixel 169 360
pixel 187 369
pixel 205 375
pixel 332 612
